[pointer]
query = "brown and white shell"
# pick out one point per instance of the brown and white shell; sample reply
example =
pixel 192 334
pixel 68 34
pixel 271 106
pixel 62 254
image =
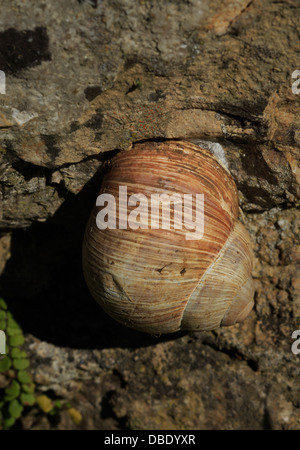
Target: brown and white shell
pixel 155 280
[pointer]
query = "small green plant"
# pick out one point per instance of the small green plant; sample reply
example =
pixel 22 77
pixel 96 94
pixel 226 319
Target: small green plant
pixel 17 391
pixel 54 407
pixel 16 386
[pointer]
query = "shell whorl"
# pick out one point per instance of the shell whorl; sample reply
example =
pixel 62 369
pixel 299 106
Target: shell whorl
pixel 157 281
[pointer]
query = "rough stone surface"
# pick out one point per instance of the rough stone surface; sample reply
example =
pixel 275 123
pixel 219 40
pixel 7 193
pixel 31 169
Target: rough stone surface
pixel 87 79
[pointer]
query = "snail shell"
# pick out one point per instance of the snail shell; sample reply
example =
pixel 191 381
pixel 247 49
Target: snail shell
pixel 156 280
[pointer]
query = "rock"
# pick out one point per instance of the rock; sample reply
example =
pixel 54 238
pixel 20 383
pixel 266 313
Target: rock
pixel 91 79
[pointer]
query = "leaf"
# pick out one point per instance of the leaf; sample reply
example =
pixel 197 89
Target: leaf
pixel 44 403
pixel 5 364
pixel 24 377
pixel 20 364
pixel 29 388
pixel 16 341
pixel 2 304
pixel 11 323
pixel 2 315
pixel 15 409
pixel 27 399
pixel 2 324
pixel 12 391
pixel 58 404
pixel 17 353
pixel 9 422
pixel 10 331
pixel 76 415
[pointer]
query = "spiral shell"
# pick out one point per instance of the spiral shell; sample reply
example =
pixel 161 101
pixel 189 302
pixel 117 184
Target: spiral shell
pixel 156 280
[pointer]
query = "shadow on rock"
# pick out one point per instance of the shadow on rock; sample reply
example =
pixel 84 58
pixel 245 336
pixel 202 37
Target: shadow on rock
pixel 44 286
